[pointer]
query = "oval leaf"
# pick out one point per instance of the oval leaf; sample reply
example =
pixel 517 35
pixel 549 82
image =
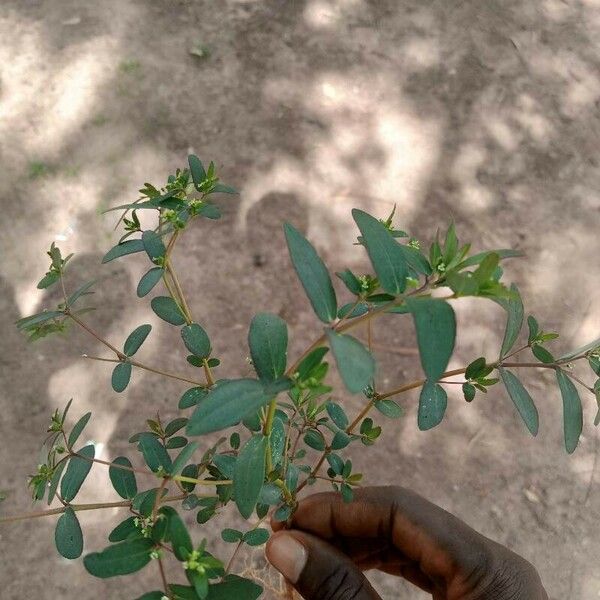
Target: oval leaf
pixel 166 308
pixel 76 472
pixel 197 170
pixel 121 376
pixel 153 245
pixel 196 340
pixel 515 311
pixel 312 273
pixel 249 474
pixel 572 411
pixel 183 458
pixel 355 363
pixel 136 338
pixel 177 533
pixel 148 281
pixel 436 332
pixel 522 400
pixel 120 559
pixel 154 453
pixel 78 429
pixel 226 405
pixel 268 340
pixel 432 405
pixel 122 249
pixel 386 255
pixel 123 480
pixel 68 536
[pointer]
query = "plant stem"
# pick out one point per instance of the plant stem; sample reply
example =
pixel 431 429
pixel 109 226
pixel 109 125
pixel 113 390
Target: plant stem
pixel 94 334
pixel 166 373
pixel 79 507
pixel 201 481
pixel 163 577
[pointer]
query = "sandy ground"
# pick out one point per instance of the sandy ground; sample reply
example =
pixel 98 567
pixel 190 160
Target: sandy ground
pixel 484 112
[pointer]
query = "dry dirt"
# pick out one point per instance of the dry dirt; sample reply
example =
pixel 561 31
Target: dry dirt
pixel 482 112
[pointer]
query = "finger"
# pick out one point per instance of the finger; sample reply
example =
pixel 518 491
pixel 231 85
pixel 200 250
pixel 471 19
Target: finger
pixel 317 570
pixel 442 545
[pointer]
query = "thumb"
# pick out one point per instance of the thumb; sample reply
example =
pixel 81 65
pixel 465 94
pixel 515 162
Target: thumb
pixel 317 570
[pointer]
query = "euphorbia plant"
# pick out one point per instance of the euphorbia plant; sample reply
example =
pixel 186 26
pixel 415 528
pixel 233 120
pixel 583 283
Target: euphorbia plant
pixel 283 429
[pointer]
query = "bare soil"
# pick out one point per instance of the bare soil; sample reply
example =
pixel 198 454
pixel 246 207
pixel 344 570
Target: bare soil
pixel 482 112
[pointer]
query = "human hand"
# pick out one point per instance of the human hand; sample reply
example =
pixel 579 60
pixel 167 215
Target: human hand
pixel 392 529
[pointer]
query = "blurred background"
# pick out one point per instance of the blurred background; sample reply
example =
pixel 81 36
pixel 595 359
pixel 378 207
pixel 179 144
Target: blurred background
pixel 487 113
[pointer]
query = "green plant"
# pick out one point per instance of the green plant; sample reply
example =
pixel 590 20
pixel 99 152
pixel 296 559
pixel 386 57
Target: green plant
pixel 284 415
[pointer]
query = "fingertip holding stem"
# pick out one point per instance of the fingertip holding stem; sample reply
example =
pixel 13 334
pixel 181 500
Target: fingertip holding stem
pixel 287 555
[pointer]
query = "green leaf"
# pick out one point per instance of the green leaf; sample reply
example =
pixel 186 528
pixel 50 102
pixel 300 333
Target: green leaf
pixel 177 533
pixel 475 368
pixel 351 281
pixel 311 361
pixel 355 363
pixel 135 339
pixel 542 354
pixel 389 408
pixel 277 441
pixel 594 363
pixel 196 340
pixel 477 258
pixel 78 429
pixel 154 453
pixel 120 559
pixel 176 442
pixel 125 529
pixel 314 439
pixel 231 536
pixel 234 588
pixel 38 318
pixel 120 376
pixel 340 440
pixel 337 414
pixel 226 405
pixel 312 274
pixel 175 425
pixel 432 405
pixel 55 480
pixel 226 464
pixel 386 255
pixel 197 170
pixel 469 391
pixel 572 411
pixel 153 245
pixel 166 308
pixel 522 400
pixel 256 537
pixel 581 350
pixel 192 397
pixel 514 308
pixel 183 457
pixel 436 332
pixel 123 480
pixel 534 328
pixel 249 474
pixel 67 535
pixel 268 340
pixel 148 281
pixel 48 279
pixel 76 473
pixel 122 249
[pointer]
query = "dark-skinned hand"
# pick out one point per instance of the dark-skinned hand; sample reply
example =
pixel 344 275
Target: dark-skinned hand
pixel 330 543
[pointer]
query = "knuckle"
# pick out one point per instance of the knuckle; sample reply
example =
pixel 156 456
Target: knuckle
pixel 341 584
pixel 510 578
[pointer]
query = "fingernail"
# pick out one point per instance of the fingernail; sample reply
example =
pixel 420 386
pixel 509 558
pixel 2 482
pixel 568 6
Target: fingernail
pixel 288 556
